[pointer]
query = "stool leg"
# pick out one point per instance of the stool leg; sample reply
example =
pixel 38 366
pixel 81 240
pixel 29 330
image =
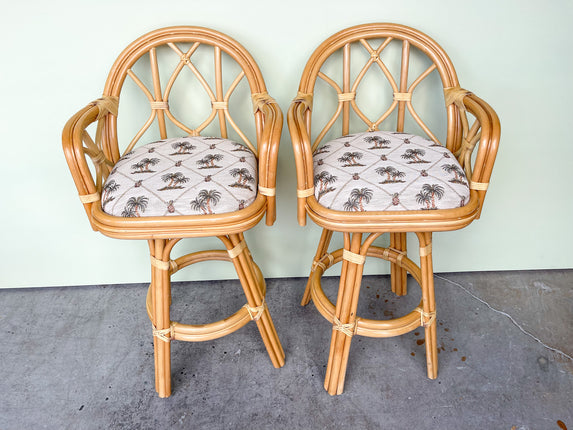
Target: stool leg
pixel 343 330
pixel 429 304
pixel 161 294
pixel 398 275
pixel 321 250
pixel 244 266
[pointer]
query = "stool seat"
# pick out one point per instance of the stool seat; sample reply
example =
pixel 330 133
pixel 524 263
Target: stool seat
pixel 182 176
pixel 385 171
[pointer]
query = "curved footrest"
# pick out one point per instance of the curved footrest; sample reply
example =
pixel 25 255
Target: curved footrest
pixel 204 332
pixel 364 326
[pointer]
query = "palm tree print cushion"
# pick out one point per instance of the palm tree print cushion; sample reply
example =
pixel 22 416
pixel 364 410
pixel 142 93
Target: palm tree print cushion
pixel 386 171
pixel 182 176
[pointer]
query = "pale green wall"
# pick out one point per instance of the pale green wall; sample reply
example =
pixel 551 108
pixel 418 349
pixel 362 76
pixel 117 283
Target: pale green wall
pixel 55 57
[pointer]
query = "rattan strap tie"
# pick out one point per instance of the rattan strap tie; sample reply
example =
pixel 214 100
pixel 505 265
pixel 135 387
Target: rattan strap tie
pixel 353 257
pixel 348 329
pixel 305 193
pixel 256 312
pixel 159 105
pixel 402 97
pixel 482 186
pixel 346 97
pixel 234 253
pixel 426 250
pixel 423 315
pixel 305 98
pixel 166 334
pixel 455 95
pixel 106 104
pixel 401 254
pixel 89 198
pixel 270 192
pixel 164 265
pixel 260 99
pixel 219 105
pixel 319 263
pixel 99 158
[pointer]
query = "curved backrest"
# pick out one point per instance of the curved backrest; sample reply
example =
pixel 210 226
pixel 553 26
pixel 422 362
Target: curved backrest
pixel 399 61
pixel 168 74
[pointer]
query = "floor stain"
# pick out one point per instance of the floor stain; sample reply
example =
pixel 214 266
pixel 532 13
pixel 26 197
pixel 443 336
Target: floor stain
pixel 420 341
pixel 561 425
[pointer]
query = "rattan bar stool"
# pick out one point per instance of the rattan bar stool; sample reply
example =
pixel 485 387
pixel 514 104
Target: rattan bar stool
pixel 390 174
pixel 199 95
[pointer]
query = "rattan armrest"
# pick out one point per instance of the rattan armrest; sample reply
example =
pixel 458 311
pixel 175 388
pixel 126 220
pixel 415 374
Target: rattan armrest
pixel 300 137
pixel 488 143
pixel 268 145
pixel 74 139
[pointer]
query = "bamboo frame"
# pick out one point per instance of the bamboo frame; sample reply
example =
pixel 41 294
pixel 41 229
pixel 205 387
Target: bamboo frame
pixel 462 137
pixel 162 233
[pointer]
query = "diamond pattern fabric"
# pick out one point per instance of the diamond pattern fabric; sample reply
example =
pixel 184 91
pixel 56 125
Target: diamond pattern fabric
pixel 182 176
pixel 387 171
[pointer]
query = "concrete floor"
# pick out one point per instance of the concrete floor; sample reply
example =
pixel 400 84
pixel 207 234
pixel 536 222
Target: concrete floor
pixel 82 358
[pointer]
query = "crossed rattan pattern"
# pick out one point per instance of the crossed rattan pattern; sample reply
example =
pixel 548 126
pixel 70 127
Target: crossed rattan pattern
pixel 361 229
pixel 92 159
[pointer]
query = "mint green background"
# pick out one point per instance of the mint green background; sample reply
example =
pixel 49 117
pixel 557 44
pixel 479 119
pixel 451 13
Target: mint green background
pixel 517 55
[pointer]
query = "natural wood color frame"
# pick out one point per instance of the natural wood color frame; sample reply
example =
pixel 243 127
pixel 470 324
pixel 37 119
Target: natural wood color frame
pixel 162 233
pixel 361 229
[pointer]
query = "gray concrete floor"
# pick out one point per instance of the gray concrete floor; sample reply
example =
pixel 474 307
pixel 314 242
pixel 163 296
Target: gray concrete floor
pixel 82 358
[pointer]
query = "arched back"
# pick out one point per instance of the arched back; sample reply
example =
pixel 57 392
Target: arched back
pixel 185 81
pixel 395 57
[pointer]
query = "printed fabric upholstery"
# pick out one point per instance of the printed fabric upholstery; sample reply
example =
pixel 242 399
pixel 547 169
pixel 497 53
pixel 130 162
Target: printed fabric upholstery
pixel 182 176
pixel 386 171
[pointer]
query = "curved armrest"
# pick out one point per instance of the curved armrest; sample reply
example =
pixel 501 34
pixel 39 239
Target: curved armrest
pixel 488 143
pixel 77 144
pixel 300 137
pixel 268 145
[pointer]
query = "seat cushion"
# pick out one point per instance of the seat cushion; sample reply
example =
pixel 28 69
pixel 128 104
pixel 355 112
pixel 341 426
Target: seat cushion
pixel 182 176
pixel 386 171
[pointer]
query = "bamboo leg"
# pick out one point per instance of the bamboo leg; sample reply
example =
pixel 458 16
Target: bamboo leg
pixel 245 271
pixel 347 302
pixel 321 250
pixel 429 304
pixel 160 281
pixel 398 275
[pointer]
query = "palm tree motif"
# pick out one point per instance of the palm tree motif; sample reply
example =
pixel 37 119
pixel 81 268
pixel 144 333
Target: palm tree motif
pixel 208 161
pixel 204 200
pixel 379 142
pixel 108 188
pixel 428 194
pixel 324 149
pixel 245 177
pixel 174 179
pixel 134 205
pixel 414 155
pixel 182 148
pixel 143 165
pixel 458 173
pixel 358 196
pixel 392 174
pixel 324 179
pixel 240 147
pixel 349 159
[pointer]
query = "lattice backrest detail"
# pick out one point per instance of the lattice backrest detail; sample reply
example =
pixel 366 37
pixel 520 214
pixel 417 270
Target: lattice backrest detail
pixel 374 41
pixel 158 85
